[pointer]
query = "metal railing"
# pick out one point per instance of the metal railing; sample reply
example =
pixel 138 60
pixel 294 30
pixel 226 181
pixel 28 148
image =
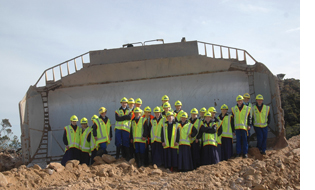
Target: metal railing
pixel 61 74
pixel 229 49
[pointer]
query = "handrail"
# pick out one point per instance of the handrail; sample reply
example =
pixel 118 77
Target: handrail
pixel 229 51
pixel 59 65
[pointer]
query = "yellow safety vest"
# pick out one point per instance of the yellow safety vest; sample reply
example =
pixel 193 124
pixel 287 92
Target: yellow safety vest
pixel 156 129
pixel 178 115
pixel 173 139
pixel 123 125
pixel 85 146
pixel 209 138
pixel 103 130
pixel 184 132
pixel 73 137
pixel 260 118
pixel 197 124
pixel 240 117
pixel 226 127
pixel 137 130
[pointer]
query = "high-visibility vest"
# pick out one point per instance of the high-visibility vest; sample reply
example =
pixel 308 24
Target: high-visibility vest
pixel 197 124
pixel 85 146
pixel 240 117
pixel 226 126
pixel 261 117
pixel 123 125
pixel 93 142
pixel 209 138
pixel 102 130
pixel 184 132
pixel 156 130
pixel 173 139
pixel 137 130
pixel 178 115
pixel 218 127
pixel 73 137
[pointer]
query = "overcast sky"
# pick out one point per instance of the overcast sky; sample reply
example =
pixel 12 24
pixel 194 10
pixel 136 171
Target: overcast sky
pixel 35 35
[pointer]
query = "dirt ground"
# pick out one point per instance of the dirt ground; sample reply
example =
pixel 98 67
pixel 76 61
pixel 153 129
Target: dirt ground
pixel 279 169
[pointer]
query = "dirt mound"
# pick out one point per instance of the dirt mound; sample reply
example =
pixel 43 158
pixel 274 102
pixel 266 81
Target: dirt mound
pixel 10 159
pixel 278 169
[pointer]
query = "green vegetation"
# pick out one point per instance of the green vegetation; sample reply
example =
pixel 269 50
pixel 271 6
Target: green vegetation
pixel 6 139
pixel 290 103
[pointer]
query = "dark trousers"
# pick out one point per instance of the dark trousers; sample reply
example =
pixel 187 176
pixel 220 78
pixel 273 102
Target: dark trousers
pixel 157 153
pixel 226 148
pixel 209 155
pixel 195 154
pixel 71 154
pixel 185 162
pixel 241 140
pixel 262 133
pixel 85 158
pixel 170 157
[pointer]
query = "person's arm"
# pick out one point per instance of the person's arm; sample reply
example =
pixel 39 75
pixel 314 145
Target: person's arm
pixel 268 117
pixel 145 129
pixel 162 136
pixel 194 132
pixel 178 135
pixel 131 134
pixel 65 140
pixel 201 130
pixel 88 137
pixel 122 118
pixel 94 127
pixel 232 123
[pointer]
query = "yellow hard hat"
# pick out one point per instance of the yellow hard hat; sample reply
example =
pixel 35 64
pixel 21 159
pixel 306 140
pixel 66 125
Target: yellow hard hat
pixel 239 97
pixel 194 111
pixel 203 109
pixel 212 109
pixel 184 114
pixel 147 109
pixel 131 101
pixel 138 101
pixel 165 97
pixel 102 110
pixel 178 103
pixel 94 117
pixel 124 99
pixel 170 113
pixel 137 110
pixel 224 107
pixel 259 97
pixel 207 114
pixel 84 120
pixel 74 118
pixel 166 105
pixel 157 109
pixel 246 95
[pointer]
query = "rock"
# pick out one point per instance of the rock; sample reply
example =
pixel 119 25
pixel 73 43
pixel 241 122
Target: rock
pixel 69 166
pixel 37 167
pixel 74 162
pixel 132 161
pixel 108 158
pixel 155 166
pixel 98 160
pixel 249 171
pixel 123 165
pixel 296 151
pixel 56 166
pixel 258 187
pixel 102 173
pixel 156 172
pixel 255 153
pixel 50 171
pixel 3 180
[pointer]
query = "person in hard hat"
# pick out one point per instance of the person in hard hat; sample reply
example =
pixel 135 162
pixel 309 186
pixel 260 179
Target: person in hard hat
pixel 170 140
pixel 155 127
pixel 202 113
pixel 195 143
pixel 261 120
pixel 246 101
pixel 227 133
pixel 178 110
pixel 186 132
pixel 85 142
pixel 164 99
pixel 213 112
pixel 138 136
pixel 207 132
pixel 131 107
pixel 166 108
pixel 122 130
pixel 138 105
pixel 241 122
pixel 102 132
pixel 148 117
pixel 71 139
pixel 94 149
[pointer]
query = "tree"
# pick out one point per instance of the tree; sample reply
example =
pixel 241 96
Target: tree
pixel 5 136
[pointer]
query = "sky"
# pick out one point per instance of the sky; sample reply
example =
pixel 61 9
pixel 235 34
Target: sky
pixel 36 35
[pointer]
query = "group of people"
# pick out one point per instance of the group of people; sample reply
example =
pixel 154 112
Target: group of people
pixel 176 141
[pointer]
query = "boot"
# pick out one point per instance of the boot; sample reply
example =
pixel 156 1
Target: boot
pixel 100 152
pixel 137 157
pixel 141 160
pixel 123 151
pixel 127 153
pixel 117 152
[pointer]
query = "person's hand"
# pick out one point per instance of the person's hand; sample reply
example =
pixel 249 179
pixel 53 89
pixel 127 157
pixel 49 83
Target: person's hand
pixel 143 138
pixel 248 128
pixel 95 138
pixel 110 138
pixel 163 144
pixel 131 141
pixel 176 144
pixel 67 147
pixel 189 136
pixel 233 134
pixel 196 140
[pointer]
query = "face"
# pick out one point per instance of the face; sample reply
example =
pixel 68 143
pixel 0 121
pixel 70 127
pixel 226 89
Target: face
pixel 163 101
pixel 131 105
pixel 224 111
pixel 212 114
pixel 147 114
pixel 124 104
pixel 157 114
pixel 166 109
pixel 208 118
pixel 83 125
pixel 103 114
pixel 246 99
pixel 137 114
pixel 193 116
pixel 73 123
pixel 170 118
pixel 259 102
pixel 138 105
pixel 178 107
pixel 240 102
pixel 183 119
pixel 202 114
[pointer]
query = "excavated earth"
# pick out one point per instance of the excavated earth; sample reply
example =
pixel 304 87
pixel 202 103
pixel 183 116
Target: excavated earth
pixel 279 169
